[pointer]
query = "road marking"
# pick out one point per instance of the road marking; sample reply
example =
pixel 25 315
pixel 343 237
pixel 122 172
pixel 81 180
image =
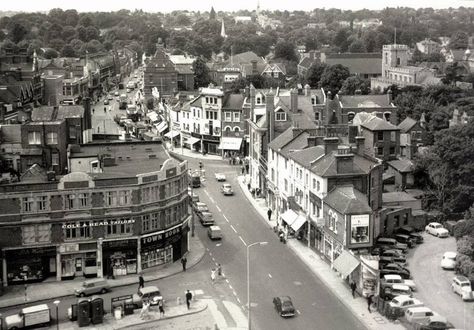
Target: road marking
pixel 218 208
pixel 238 300
pixel 242 240
pixel 298 312
pixel 225 218
pixel 230 286
pixel 235 231
pixel 235 293
pixel 207 193
pixel 218 244
pixel 227 280
pixel 269 275
pixel 212 199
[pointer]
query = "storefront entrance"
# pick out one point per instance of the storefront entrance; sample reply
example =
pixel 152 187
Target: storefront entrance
pixel 119 257
pixel 30 264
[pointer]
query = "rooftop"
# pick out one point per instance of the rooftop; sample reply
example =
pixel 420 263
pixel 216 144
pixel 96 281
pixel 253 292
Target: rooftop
pixel 402 165
pixel 348 200
pixel 378 124
pixel 365 101
pixel 397 196
pixel 327 165
pixel 407 124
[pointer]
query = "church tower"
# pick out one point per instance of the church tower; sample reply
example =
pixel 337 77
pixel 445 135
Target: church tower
pixel 223 35
pixel 394 56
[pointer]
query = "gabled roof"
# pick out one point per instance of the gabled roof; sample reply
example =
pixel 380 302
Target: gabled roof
pixel 246 57
pixel 365 101
pixel 378 124
pixel 327 166
pixel 233 101
pixel 348 200
pixel 299 142
pixel 274 67
pixel 407 124
pixel 306 156
pixel 282 139
pixel 306 62
pixel 402 165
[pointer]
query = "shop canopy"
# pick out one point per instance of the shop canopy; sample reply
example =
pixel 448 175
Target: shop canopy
pixel 299 221
pixel 192 140
pixel 289 217
pixel 153 116
pixel 172 134
pixel 230 143
pixel 346 263
pixel 161 127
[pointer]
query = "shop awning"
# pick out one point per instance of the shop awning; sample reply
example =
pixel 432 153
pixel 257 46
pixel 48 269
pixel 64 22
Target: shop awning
pixel 192 140
pixel 161 127
pixel 346 263
pixel 172 134
pixel 299 221
pixel 289 216
pixel 230 143
pixel 153 116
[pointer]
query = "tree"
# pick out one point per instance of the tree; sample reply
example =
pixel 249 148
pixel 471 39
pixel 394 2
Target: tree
pixel 355 83
pixel 201 73
pixel 286 50
pixel 17 32
pixel 68 51
pixel 333 77
pixel 459 40
pixel 313 76
pixel 357 46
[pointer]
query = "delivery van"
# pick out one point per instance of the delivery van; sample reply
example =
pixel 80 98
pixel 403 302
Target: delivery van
pixel 29 317
pixel 214 232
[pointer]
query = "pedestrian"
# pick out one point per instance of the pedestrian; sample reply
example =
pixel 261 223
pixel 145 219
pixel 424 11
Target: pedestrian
pixel 249 186
pixel 145 309
pixel 213 275
pixel 189 296
pixel 141 282
pixel 161 307
pixel 230 161
pixel 93 110
pixel 219 270
pixel 269 213
pixel 369 302
pixel 243 170
pixel 183 262
pixel 353 288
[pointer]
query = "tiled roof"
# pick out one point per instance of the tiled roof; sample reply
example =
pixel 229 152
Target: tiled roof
pixel 358 63
pixel 407 124
pixel 184 68
pixel 306 62
pixel 70 111
pixel 397 196
pixel 378 124
pixel 247 68
pixel 47 113
pixel 402 165
pixel 42 114
pixel 11 133
pixel 364 101
pixel 327 166
pixel 306 156
pixel 348 200
pixel 233 101
pixel 282 139
pixel 246 57
pixel 299 142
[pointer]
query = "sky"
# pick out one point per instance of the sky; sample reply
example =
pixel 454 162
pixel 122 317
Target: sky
pixel 223 5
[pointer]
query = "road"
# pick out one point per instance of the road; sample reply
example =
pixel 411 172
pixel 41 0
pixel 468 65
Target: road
pixel 434 283
pixel 275 269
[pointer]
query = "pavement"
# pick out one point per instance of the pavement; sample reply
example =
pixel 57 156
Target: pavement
pixel 315 262
pixel 178 151
pixel 44 291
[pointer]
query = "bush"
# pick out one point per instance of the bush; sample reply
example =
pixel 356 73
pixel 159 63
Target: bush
pixel 465 266
pixel 466 246
pixel 464 228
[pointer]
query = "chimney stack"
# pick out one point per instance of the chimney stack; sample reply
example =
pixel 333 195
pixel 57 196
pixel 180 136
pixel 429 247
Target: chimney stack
pixel 87 113
pixel 294 100
pixel 252 101
pixel 344 160
pixel 360 143
pixel 330 144
pixel 269 108
pixel 307 90
pixel 254 67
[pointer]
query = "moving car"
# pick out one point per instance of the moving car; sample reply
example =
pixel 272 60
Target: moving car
pixel 106 102
pixel 284 306
pixel 93 286
pixel 226 189
pixel 29 317
pixel 462 286
pixel 214 232
pixel 395 269
pixel 206 218
pixel 435 229
pixel 404 302
pixel 449 260
pixel 390 279
pixel 151 293
pixel 390 292
pixel 220 176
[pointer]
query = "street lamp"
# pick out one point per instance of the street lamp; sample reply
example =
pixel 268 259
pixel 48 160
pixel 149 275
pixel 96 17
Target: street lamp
pixel 248 278
pixel 56 302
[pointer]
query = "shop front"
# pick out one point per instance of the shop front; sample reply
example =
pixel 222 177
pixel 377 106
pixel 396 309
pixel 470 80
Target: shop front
pixel 30 264
pixel 230 145
pixel 78 259
pixel 211 144
pixel 164 247
pixel 119 257
pixel 332 248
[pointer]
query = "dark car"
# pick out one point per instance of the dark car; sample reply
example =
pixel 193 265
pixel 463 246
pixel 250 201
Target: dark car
pixel 395 269
pixel 284 306
pixel 406 239
pixel 411 232
pixel 396 256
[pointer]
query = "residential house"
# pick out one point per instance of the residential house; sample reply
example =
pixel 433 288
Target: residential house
pixel 233 124
pixel 184 65
pixel 160 74
pixel 428 46
pixel 411 135
pixel 276 71
pixel 382 139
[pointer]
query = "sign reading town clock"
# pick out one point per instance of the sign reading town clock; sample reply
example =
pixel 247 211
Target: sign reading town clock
pixel 73 225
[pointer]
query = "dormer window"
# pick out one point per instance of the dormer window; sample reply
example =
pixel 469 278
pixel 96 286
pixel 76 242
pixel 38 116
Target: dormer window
pixel 280 115
pixel 313 100
pixel 259 100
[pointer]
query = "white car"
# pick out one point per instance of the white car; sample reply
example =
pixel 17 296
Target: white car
pixel 436 229
pixel 405 302
pixel 226 189
pixel 462 286
pixel 449 260
pixel 390 280
pixel 220 176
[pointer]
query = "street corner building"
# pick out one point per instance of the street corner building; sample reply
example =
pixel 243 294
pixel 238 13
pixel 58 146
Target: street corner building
pixel 122 208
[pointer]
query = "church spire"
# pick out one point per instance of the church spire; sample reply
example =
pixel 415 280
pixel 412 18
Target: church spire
pixel 223 35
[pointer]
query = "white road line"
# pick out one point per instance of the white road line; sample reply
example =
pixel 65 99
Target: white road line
pixel 207 193
pixel 297 311
pixel 230 286
pixel 238 300
pixel 227 280
pixel 235 231
pixel 269 275
pixel 218 208
pixel 211 199
pixel 242 240
pixel 235 293
pixel 225 218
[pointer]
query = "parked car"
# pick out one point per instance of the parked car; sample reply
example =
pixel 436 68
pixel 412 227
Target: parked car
pixel 390 292
pixel 436 229
pixel 390 279
pixel 220 176
pixel 410 231
pixel 405 239
pixel 397 256
pixel 449 260
pixel 226 189
pixel 206 218
pixel 201 207
pixel 390 243
pixel 395 269
pixel 152 293
pixel 404 302
pixel 28 317
pixel 284 306
pixel 462 286
pixel 106 102
pixel 194 197
pixel 93 286
pixel 419 315
pixel 110 97
pixel 436 322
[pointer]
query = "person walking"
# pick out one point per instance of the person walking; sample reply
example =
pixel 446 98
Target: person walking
pixel 369 302
pixel 353 288
pixel 141 282
pixel 219 270
pixel 145 309
pixel 213 275
pixel 269 213
pixel 161 307
pixel 189 296
pixel 183 262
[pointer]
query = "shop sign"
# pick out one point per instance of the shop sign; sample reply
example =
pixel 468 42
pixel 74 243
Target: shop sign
pixel 48 250
pixel 120 243
pixel 211 138
pixel 158 237
pixel 360 228
pixel 72 247
pixel 72 225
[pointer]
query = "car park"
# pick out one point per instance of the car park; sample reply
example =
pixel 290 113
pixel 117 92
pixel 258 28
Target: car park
pixel 404 302
pixel 391 279
pixel 390 243
pixel 214 232
pixel 436 229
pixel 396 256
pixel 448 261
pixel 92 286
pixel 410 231
pixel 462 286
pixel 395 269
pixel 389 292
pixel 284 306
pixel 226 189
pixel 220 176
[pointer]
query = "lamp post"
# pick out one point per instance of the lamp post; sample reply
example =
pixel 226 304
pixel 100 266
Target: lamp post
pixel 56 302
pixel 248 278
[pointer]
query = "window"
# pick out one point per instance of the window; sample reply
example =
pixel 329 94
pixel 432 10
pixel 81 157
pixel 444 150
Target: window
pixel 211 114
pixel 392 150
pixel 237 117
pixel 78 231
pixel 286 164
pixel 146 223
pixel 27 204
pixel 228 116
pixel 316 115
pixel 72 132
pixel 36 234
pixel 123 197
pixel 306 179
pixel 393 136
pixel 41 203
pixel 350 117
pixel 70 198
pixel 313 100
pixel 318 186
pixel 34 138
pixel 83 200
pixel 51 138
pixel 236 129
pixel 280 116
pixel 273 175
pixel 314 183
pixel 398 60
pixel 379 136
pixel 120 229
pixel 34 204
pixel 405 219
pixel 54 159
pixel 380 151
pixel 286 185
pixel 332 216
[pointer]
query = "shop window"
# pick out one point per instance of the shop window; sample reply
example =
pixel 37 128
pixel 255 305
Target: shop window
pixel 51 138
pixel 157 257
